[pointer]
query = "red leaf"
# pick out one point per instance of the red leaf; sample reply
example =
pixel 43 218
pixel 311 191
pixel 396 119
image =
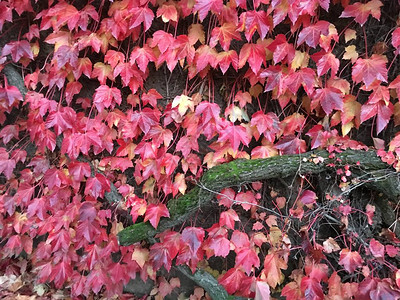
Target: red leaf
pixel 232 280
pixel 247 258
pixel 350 260
pixel 370 69
pixel 291 144
pixel 224 35
pixel 253 20
pixel 361 11
pixel 97 186
pixel 383 112
pixel 396 40
pixel 154 212
pixel 312 33
pixel 308 197
pixel 193 237
pixel 266 124
pixel 204 6
pixel 326 62
pixel 61 120
pixel 10 94
pixel 254 54
pixel 141 15
pixel 226 197
pixel 329 98
pixel 18 50
pixel 228 218
pixel 236 134
pixel 376 248
pixel 142 57
pixel 105 96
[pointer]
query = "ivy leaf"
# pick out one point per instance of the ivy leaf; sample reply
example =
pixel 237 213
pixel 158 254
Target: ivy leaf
pixel 383 112
pixel 154 213
pixel 329 98
pixel 105 96
pixel 266 124
pixel 254 54
pixel 350 260
pixel 141 15
pixel 232 280
pixel 224 35
pixel 312 33
pixel 142 57
pixel 193 237
pixel 18 50
pixel 370 69
pixel 228 218
pixel 247 258
pixel 235 134
pixel 253 20
pixel 204 6
pixel 360 11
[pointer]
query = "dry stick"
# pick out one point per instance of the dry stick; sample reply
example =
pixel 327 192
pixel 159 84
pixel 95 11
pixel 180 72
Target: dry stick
pixel 239 172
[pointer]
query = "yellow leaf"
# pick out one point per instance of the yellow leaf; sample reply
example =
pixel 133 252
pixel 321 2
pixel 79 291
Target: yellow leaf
pixel 350 53
pixel 349 35
pixel 183 102
pixel 300 60
pixel 140 255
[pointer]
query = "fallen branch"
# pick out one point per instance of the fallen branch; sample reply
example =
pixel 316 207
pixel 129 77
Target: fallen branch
pixel 239 172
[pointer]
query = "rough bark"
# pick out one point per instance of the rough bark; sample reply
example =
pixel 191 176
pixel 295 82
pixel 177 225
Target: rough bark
pixel 377 174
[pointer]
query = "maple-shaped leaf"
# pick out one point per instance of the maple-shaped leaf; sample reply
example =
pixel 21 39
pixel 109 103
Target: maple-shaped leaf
pixel 193 237
pixel 312 33
pixel 167 12
pixel 151 97
pixel 304 77
pixel 350 260
pixel 163 40
pixel 154 213
pixel 281 49
pixel 225 59
pixel 254 54
pixel 8 132
pixel 18 49
pixel 84 65
pixel 232 280
pixel 228 218
pixel 72 89
pixel 97 186
pixel 361 11
pixel 5 14
pixel 105 96
pixel 78 170
pixel 291 144
pixel 160 256
pixel 329 99
pixel 274 263
pixel 253 20
pixel 235 134
pixel 10 94
pixel 224 35
pixel 61 120
pixel 205 55
pixel 66 54
pixel 247 258
pixel 326 62
pixel 142 57
pixel 381 110
pixel 266 124
pixel 102 71
pixel 226 197
pixel 141 15
pixel 370 69
pixel 217 243
pixel 312 288
pixel 204 6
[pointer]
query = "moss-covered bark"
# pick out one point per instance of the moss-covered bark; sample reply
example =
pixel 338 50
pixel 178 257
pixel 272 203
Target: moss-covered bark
pixel 239 172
